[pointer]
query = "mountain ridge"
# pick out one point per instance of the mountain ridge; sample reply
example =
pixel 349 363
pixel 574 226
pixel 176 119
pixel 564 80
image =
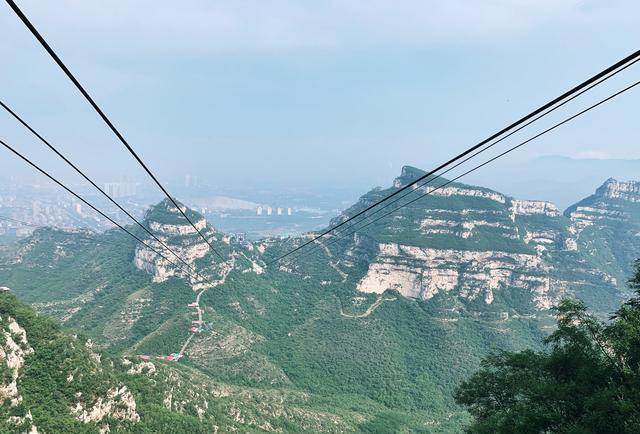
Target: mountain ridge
pixel 386 321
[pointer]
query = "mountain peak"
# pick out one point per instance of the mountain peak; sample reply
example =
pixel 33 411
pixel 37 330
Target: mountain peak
pixel 165 212
pixel 624 190
pixel 166 204
pixel 408 175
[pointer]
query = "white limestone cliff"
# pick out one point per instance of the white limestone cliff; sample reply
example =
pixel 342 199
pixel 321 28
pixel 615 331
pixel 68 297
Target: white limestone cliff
pixel 118 404
pixel 613 189
pixel 534 207
pixel 424 272
pixel 183 239
pixel 12 354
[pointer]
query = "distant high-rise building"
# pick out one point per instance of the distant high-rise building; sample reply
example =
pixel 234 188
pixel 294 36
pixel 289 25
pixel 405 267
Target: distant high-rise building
pixel 112 189
pixel 78 208
pixel 187 180
pixel 259 211
pixel 289 211
pixel 269 210
pixel 279 211
pixel 121 189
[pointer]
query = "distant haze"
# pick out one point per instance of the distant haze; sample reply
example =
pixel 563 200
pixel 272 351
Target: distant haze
pixel 561 180
pixel 305 96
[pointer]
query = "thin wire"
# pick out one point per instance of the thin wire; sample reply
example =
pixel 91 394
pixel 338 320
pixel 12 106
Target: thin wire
pixel 66 160
pixel 492 144
pixel 66 230
pixel 35 166
pixel 104 117
pixel 429 192
pixel 522 120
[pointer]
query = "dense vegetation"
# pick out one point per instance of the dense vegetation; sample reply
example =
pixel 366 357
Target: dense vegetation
pixel 586 380
pixel 62 371
pixel 298 348
pixel 43 382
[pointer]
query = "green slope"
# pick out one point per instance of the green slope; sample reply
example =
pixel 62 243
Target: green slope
pixel 299 346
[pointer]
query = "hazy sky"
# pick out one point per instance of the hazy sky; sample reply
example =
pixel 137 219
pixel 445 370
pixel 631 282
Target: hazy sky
pixel 307 93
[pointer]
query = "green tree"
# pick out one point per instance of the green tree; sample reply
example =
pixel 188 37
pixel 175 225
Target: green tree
pixel 586 380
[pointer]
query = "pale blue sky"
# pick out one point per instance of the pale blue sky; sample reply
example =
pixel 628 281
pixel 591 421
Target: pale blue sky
pixel 308 93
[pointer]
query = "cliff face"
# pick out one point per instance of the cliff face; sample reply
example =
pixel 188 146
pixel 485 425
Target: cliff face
pixel 39 363
pixel 612 189
pixel 473 244
pixel 168 224
pixel 534 207
pixel 422 273
pixel 607 226
pixel 12 354
pixel 613 201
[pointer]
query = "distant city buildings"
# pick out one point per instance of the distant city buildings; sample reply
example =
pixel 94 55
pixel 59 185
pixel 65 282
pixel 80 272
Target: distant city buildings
pixel 31 204
pixel 190 181
pixel 121 189
pixel 260 210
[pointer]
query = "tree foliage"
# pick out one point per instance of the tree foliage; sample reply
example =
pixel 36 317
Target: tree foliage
pixel 586 380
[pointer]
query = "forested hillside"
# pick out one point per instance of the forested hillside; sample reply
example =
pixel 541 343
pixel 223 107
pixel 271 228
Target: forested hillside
pixel 371 332
pixel 586 379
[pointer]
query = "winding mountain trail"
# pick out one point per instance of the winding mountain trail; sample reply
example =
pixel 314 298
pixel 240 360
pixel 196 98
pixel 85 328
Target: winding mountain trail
pixel 369 310
pixel 333 265
pixel 325 248
pixel 199 309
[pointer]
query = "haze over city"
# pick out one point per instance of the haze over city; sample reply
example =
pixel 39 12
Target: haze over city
pixel 284 95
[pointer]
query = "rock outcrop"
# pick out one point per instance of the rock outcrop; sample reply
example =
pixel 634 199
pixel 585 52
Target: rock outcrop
pixel 482 243
pixel 423 272
pixel 534 207
pixel 170 226
pixel 118 404
pixel 608 205
pixel 12 354
pixel 73 373
pixel 613 189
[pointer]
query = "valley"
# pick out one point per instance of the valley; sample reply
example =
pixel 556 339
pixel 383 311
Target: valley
pixel 370 332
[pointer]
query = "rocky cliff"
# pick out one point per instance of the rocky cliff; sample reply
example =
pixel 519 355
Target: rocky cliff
pixel 473 244
pixel 170 226
pixel 53 381
pixel 46 372
pixel 607 227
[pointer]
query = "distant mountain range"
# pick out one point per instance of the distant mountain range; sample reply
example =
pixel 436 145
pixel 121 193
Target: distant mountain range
pixel 368 333
pixel 558 179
